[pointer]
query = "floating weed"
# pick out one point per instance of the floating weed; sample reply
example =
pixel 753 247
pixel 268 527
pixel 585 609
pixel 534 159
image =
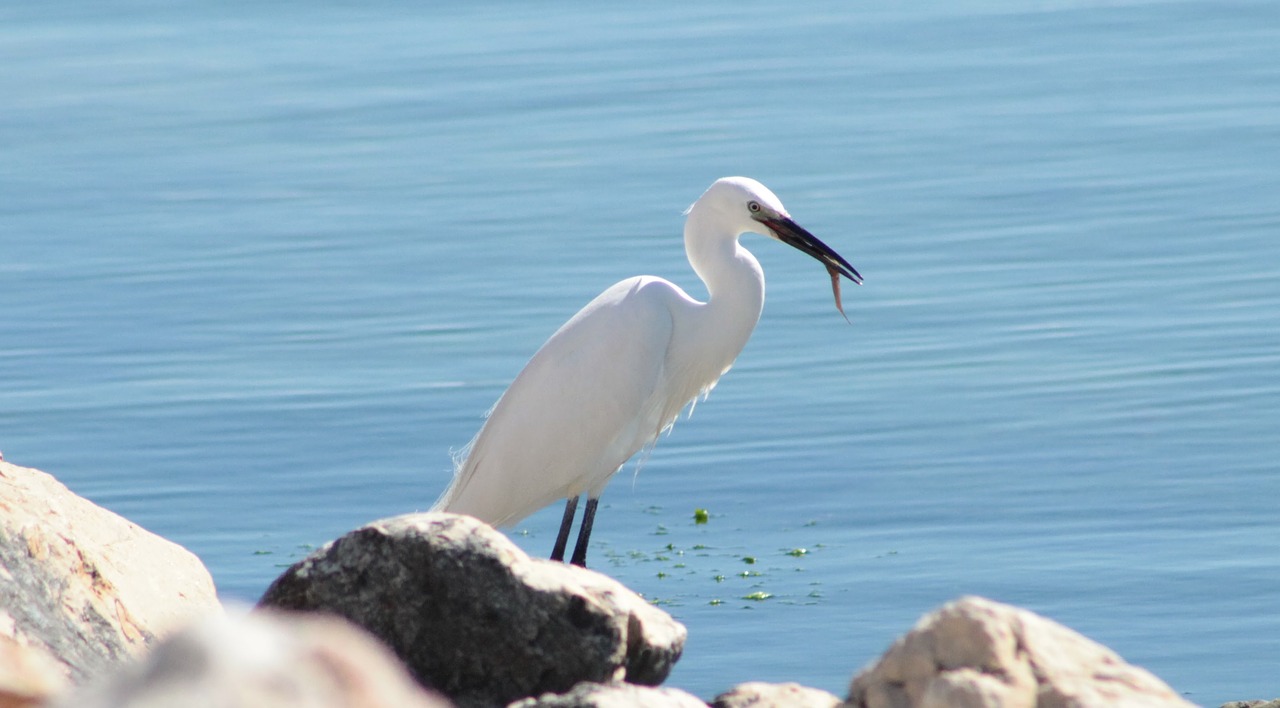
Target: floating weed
pixel 797 552
pixel 749 560
pixel 699 547
pixel 758 596
pixel 701 516
pixel 661 575
pixel 263 553
pixel 719 578
pixel 716 602
pixel 662 531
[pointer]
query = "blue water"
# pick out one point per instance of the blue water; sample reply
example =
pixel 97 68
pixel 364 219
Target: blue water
pixel 262 268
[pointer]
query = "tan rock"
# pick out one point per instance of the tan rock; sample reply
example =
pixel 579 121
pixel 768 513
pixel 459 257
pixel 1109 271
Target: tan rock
pixel 83 584
pixel 979 653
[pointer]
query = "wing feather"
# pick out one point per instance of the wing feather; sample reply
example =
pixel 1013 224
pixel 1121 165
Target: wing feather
pixel 585 403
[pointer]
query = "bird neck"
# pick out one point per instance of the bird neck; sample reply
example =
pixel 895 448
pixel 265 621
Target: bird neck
pixel 734 279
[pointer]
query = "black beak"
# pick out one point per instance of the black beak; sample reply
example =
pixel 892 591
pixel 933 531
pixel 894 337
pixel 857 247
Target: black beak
pixel 792 234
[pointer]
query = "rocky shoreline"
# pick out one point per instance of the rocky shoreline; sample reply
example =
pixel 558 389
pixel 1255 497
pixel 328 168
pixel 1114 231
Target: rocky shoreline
pixel 441 610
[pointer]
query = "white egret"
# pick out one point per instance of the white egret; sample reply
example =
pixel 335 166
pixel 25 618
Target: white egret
pixel 619 372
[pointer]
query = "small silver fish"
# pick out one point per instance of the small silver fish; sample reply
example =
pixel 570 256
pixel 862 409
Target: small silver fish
pixel 835 290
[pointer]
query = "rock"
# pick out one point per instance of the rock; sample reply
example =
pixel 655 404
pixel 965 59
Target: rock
pixel 975 652
pixel 1252 704
pixel 264 660
pixel 477 619
pixel 84 585
pixel 757 694
pixel 28 675
pixel 613 695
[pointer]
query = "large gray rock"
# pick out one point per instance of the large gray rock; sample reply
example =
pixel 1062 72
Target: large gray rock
pixel 613 695
pixel 476 618
pixel 266 660
pixel 974 652
pixel 84 585
pixel 757 694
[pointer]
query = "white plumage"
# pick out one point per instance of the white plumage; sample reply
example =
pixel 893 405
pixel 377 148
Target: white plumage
pixel 620 370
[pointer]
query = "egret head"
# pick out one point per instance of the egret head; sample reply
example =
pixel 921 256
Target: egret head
pixel 748 206
pixel 740 202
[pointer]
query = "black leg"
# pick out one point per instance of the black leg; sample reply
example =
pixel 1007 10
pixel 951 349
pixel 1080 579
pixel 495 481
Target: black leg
pixel 588 518
pixel 562 539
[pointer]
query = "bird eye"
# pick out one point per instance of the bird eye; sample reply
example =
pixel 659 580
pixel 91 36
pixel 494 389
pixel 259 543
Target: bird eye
pixel 753 206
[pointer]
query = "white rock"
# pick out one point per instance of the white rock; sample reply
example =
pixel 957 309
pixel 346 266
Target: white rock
pixel 757 694
pixel 977 653
pixel 613 695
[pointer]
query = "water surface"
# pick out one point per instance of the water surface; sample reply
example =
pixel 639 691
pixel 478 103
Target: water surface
pixel 264 267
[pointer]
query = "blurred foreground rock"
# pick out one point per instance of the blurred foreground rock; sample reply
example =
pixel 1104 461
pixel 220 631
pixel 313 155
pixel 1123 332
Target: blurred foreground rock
pixel 477 619
pixel 82 588
pixel 28 674
pixel 975 652
pixel 757 694
pixel 266 660
pixel 613 695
